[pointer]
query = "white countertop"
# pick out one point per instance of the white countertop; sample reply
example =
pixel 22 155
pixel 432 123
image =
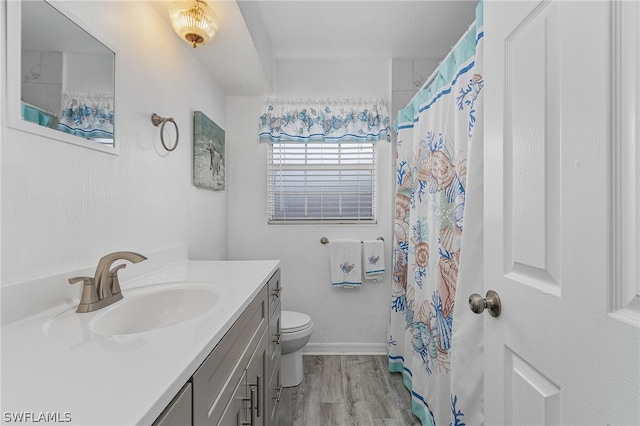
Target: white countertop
pixel 88 379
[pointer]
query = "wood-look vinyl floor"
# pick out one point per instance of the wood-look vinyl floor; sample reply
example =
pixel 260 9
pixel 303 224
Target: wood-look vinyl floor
pixel 347 390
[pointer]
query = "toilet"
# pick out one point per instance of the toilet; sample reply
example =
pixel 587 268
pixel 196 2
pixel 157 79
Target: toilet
pixel 296 331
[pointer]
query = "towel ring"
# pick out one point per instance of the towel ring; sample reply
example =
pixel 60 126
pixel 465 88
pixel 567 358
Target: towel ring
pixel 157 120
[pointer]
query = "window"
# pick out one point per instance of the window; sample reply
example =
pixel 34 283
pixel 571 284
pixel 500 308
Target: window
pixel 322 182
pixel 322 158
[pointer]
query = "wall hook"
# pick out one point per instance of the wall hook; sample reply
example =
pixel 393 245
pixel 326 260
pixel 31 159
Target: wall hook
pixel 161 121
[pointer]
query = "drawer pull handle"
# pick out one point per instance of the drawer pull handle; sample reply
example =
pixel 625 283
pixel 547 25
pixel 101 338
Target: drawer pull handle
pixel 259 380
pixel 278 393
pixel 253 413
pixel 277 292
pixel 258 386
pixel 252 418
pixel 278 338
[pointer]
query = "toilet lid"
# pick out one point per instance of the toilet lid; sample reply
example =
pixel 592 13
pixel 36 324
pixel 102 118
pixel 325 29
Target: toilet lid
pixel 294 321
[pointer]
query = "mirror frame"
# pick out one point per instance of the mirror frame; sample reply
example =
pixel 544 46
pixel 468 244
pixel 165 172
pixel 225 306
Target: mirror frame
pixel 14 52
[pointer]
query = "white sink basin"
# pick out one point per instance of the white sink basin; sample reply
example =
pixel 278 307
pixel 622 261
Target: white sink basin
pixel 143 309
pixel 154 310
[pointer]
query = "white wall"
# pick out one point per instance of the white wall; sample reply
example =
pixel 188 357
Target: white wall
pixel 82 70
pixel 408 76
pixel 65 206
pixel 41 78
pixel 344 319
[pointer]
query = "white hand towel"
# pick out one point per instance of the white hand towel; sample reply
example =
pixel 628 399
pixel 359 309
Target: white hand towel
pixel 345 261
pixel 373 254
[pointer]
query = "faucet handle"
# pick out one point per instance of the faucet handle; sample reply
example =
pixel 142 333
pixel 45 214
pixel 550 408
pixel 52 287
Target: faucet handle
pixel 115 282
pixel 89 293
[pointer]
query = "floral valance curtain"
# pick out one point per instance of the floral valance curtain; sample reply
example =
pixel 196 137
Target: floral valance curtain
pixel 332 120
pixel 88 115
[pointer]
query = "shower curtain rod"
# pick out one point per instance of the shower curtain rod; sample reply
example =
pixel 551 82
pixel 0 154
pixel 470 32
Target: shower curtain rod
pixel 435 72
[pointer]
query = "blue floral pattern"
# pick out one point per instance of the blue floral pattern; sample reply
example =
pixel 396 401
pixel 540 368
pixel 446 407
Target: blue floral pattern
pixel 456 414
pixel 437 197
pixel 468 96
pixel 431 195
pixel 88 115
pixel 330 121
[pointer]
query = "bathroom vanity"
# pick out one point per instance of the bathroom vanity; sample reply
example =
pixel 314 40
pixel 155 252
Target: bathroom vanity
pixel 239 382
pixel 220 367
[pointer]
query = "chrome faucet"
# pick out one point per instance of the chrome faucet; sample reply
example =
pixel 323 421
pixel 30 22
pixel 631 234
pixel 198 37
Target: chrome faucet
pixel 104 288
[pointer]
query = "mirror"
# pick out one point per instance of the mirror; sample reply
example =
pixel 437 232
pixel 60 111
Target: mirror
pixel 61 78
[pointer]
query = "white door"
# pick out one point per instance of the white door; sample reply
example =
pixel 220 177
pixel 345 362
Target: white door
pixel 561 212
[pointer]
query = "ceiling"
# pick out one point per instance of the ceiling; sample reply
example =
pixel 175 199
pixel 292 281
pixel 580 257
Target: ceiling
pixel 254 35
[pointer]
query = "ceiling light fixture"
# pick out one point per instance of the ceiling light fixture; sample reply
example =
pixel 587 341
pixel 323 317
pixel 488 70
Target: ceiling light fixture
pixel 193 21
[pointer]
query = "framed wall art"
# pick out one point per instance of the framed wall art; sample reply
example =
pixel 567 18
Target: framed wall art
pixel 208 153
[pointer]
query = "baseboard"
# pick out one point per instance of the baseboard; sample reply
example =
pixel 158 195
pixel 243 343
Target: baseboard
pixel 345 349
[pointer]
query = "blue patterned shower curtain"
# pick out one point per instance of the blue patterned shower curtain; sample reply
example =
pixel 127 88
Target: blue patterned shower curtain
pixel 435 341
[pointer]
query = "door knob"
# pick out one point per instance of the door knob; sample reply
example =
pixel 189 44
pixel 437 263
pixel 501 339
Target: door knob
pixel 491 303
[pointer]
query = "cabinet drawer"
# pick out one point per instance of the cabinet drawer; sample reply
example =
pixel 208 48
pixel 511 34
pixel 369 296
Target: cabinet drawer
pixel 275 289
pixel 215 380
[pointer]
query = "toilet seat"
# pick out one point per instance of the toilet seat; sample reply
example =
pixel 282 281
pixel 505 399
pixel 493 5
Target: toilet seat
pixel 291 322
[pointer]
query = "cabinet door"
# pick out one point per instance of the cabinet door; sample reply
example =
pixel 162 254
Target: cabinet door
pixel 273 365
pixel 275 337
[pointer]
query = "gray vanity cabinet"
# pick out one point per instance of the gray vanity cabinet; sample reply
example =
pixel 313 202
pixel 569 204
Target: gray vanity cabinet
pixel 222 374
pixel 239 382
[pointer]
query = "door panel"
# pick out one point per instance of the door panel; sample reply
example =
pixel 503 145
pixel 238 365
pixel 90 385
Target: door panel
pixel 626 157
pixel 533 192
pixel 558 353
pixel 532 398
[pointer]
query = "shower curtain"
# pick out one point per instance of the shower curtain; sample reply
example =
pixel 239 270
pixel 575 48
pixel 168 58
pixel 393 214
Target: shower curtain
pixel 435 341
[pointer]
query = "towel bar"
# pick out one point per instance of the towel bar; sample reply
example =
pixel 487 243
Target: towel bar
pixel 325 240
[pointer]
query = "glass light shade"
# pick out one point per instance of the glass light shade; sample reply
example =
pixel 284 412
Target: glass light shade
pixel 193 21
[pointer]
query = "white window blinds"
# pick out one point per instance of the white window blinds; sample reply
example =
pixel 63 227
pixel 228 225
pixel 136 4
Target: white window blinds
pixel 325 182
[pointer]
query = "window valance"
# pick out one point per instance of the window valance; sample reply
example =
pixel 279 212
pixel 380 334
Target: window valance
pixel 335 120
pixel 88 115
